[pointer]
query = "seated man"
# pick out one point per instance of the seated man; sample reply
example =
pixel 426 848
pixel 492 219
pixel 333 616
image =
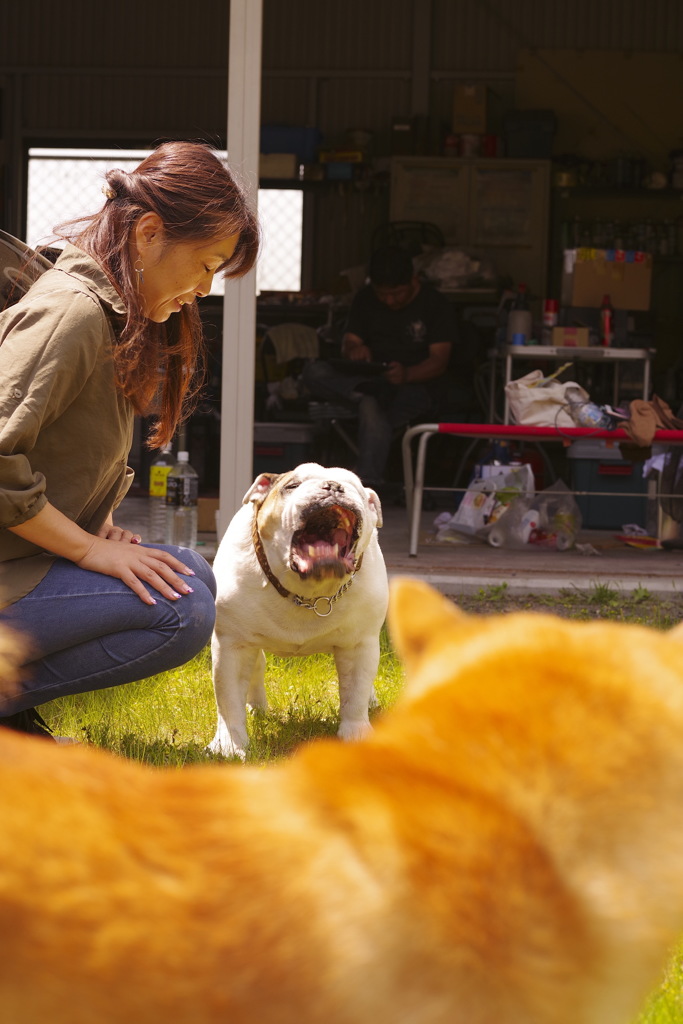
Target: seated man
pixel 405 324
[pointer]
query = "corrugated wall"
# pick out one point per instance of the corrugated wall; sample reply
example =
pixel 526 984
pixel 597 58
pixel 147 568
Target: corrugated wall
pixel 159 63
pixel 141 69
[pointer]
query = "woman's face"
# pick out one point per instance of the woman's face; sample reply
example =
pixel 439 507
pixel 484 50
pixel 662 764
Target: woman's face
pixel 177 272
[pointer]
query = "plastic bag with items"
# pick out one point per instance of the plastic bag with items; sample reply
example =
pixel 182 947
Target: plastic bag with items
pixel 486 499
pixel 549 519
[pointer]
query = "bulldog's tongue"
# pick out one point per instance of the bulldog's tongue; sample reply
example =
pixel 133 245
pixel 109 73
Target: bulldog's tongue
pixel 324 547
pixel 314 556
pixel 340 538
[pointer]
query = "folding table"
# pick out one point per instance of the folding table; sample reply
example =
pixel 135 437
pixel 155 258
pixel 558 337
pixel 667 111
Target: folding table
pixel 414 472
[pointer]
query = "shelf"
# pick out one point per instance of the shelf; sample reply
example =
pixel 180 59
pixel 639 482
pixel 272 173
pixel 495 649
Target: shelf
pixel 606 192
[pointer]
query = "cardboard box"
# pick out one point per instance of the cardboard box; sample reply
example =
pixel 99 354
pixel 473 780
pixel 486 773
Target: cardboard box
pixel 573 337
pixel 206 515
pixel 470 109
pixel 624 275
pixel 278 165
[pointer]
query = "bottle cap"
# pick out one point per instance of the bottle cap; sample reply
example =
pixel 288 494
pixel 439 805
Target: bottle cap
pixel 183 456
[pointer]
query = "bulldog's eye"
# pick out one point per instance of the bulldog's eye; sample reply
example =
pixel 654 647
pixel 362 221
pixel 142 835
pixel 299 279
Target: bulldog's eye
pixel 291 485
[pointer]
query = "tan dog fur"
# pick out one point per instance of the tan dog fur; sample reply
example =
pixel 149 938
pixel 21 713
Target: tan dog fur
pixel 505 848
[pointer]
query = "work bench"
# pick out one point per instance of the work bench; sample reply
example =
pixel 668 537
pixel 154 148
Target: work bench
pixel 414 464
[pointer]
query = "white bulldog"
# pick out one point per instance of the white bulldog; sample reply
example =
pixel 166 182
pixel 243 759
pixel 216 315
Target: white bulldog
pixel 299 571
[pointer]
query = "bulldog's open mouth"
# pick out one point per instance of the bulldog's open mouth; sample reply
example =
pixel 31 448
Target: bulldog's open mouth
pixel 325 545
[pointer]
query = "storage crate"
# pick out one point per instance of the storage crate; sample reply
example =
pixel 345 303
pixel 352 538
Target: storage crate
pixel 281 446
pixel 598 466
pixel 300 140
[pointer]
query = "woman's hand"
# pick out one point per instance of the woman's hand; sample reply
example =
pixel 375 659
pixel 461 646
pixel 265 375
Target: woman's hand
pixel 111 532
pixel 135 565
pixel 130 562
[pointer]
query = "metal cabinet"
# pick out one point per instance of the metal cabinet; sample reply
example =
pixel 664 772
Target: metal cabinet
pixel 495 209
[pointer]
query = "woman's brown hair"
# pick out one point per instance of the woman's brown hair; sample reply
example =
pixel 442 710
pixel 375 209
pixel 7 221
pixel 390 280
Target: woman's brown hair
pixel 159 365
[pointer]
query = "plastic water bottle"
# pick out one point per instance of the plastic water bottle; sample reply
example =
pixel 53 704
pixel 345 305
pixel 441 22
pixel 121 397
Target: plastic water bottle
pixel 181 503
pixel 587 414
pixel 519 318
pixel 158 478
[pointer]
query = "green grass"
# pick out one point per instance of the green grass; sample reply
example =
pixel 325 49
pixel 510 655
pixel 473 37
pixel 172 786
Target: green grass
pixel 168 720
pixel 665 1006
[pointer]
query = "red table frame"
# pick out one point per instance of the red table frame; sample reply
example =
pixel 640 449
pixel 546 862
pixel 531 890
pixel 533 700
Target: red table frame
pixel 414 473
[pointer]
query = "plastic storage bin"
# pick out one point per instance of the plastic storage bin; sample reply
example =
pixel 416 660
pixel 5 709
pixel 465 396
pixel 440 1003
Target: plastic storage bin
pixel 280 138
pixel 281 446
pixel 598 466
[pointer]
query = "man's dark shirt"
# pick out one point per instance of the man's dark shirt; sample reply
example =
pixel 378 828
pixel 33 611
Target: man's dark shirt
pixel 402 335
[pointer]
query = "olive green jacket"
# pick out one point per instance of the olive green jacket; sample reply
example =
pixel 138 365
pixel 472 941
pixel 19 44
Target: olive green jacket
pixel 65 428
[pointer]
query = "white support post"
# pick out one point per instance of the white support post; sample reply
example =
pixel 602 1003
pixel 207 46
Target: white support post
pixel 239 308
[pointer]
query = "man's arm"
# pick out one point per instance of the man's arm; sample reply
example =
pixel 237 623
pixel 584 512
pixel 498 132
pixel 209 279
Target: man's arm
pixel 433 366
pixel 353 347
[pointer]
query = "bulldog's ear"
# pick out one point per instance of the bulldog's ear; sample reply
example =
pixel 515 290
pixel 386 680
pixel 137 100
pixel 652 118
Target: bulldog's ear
pixel 375 504
pixel 260 487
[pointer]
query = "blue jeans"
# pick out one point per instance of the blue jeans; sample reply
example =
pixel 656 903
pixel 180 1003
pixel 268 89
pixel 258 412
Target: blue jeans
pixel 87 631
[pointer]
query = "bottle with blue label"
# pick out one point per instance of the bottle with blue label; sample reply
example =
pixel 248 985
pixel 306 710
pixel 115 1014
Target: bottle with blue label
pixel 586 414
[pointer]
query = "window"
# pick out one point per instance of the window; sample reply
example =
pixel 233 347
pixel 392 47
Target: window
pixel 67 183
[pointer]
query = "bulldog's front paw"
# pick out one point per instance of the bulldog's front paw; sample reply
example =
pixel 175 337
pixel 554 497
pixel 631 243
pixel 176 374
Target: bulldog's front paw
pixel 353 730
pixel 225 745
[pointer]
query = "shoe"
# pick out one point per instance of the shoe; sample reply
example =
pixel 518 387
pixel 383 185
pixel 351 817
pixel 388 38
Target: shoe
pixel 28 721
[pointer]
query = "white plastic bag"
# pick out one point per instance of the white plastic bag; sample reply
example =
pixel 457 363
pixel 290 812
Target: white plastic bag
pixel 485 500
pixel 541 405
pixel 549 519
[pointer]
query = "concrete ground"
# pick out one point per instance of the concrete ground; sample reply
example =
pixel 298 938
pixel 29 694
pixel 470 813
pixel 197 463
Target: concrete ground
pixel 466 568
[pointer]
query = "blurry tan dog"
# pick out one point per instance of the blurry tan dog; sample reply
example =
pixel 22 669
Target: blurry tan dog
pixel 505 848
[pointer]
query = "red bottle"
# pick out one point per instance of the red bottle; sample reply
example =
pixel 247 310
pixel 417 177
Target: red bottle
pixel 606 322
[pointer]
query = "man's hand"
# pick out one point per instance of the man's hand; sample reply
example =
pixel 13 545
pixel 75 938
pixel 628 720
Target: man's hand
pixel 396 373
